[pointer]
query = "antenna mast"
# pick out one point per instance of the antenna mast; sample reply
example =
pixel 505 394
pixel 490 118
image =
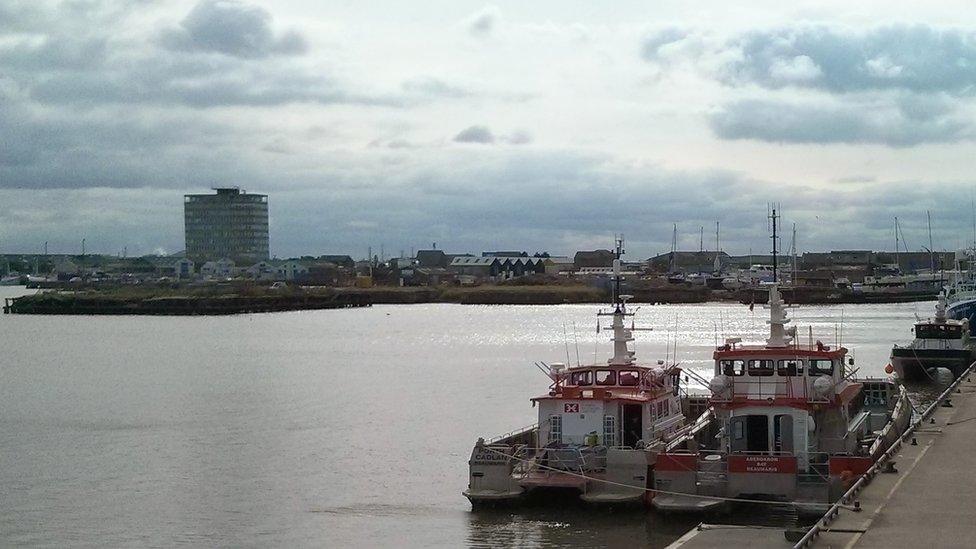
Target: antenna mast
pixel 928 215
pixel 773 217
pixel 619 244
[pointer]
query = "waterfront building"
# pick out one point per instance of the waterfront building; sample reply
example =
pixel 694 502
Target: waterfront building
pixel 229 224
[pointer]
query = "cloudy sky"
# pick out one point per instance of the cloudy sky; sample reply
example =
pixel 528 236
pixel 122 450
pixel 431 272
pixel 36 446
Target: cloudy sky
pixel 545 125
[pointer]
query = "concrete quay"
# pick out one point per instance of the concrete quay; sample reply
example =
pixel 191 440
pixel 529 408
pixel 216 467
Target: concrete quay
pixel 923 495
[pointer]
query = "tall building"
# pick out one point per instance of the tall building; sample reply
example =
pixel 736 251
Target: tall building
pixel 230 224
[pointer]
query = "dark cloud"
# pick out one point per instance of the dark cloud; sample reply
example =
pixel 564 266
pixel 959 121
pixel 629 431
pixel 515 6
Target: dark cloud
pixel 220 55
pixel 475 134
pixel 232 28
pixel 904 124
pixel 919 58
pixel 484 22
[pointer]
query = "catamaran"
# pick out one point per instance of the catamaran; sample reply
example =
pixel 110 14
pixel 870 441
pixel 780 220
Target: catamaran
pixel 787 421
pixel 600 427
pixel 940 342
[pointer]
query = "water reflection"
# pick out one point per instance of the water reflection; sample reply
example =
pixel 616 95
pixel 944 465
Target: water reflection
pixel 574 525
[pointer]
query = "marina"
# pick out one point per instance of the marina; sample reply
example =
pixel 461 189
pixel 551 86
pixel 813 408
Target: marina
pixel 256 429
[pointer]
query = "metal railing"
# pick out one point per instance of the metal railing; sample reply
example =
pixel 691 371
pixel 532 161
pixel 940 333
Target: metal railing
pixel 866 478
pixel 513 433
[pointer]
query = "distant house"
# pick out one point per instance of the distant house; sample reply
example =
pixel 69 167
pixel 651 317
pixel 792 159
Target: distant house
pixel 594 258
pixel 224 268
pixel 262 270
pixel 402 262
pixel 290 270
pixel 432 258
pixel 495 267
pixel 689 262
pixel 183 268
pixel 818 279
pixel 504 254
pixel 559 264
pixel 426 276
pixel 343 261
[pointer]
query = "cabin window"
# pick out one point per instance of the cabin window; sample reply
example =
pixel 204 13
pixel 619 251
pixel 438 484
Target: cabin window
pixel 581 378
pixel 660 409
pixel 606 377
pixel 628 377
pixel 821 367
pixel 760 367
pixel 733 367
pixel 789 368
pixel 938 331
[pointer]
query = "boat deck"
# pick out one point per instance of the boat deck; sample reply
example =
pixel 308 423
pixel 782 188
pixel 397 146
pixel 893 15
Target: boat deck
pixel 926 502
pixel 539 479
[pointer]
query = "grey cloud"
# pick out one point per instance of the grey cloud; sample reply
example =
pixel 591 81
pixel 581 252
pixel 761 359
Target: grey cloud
pixel 494 196
pixel 232 28
pixel 433 87
pixel 918 58
pixel 77 61
pixel 475 134
pixel 650 49
pixel 799 122
pixel 519 137
pixel 484 22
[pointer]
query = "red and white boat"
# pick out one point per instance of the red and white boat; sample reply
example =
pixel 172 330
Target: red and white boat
pixel 787 421
pixel 600 428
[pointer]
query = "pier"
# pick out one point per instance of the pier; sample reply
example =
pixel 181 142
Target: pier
pixel 919 494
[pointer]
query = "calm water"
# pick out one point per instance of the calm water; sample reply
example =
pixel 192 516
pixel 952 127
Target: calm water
pixel 318 428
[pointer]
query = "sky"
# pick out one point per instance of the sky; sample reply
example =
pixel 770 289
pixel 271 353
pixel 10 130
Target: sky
pixel 536 126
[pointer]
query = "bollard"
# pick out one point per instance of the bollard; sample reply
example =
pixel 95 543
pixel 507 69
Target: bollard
pixel 914 441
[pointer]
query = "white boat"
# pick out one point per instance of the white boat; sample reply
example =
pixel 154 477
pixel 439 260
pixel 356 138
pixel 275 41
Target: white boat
pixel 600 427
pixel 787 422
pixel 961 290
pixel 11 280
pixel 940 342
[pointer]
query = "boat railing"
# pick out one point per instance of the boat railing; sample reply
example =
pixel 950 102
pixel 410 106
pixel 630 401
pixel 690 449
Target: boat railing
pixel 513 434
pixel 760 387
pixel 555 460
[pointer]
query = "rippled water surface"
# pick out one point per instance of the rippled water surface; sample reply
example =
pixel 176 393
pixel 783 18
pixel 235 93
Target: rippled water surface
pixel 320 428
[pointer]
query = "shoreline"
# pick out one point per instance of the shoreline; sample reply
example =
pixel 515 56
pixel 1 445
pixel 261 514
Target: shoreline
pixel 245 298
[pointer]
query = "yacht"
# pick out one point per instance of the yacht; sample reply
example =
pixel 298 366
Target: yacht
pixel 940 342
pixel 787 422
pixel 599 429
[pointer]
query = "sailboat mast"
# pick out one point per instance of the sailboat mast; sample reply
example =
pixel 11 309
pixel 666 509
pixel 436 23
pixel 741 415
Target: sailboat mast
pixel 896 242
pixel 928 216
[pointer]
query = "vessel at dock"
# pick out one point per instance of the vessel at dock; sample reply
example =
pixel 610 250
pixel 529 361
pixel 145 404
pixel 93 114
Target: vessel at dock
pixel 600 428
pixel 940 342
pixel 787 421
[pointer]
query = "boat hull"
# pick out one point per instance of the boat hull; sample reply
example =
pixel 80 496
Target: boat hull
pixel 913 364
pixel 962 310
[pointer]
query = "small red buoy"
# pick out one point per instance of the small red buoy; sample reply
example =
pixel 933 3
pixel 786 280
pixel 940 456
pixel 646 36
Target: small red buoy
pixel 889 369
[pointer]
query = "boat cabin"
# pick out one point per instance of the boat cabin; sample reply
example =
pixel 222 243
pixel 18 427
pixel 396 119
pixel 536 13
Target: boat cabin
pixel 609 406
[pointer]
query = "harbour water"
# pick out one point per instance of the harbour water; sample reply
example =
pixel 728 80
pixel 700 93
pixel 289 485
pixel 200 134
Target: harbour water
pixel 321 428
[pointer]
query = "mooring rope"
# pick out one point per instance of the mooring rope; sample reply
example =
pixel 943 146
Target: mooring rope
pixel 643 489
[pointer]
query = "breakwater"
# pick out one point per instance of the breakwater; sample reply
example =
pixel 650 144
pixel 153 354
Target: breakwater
pixel 85 304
